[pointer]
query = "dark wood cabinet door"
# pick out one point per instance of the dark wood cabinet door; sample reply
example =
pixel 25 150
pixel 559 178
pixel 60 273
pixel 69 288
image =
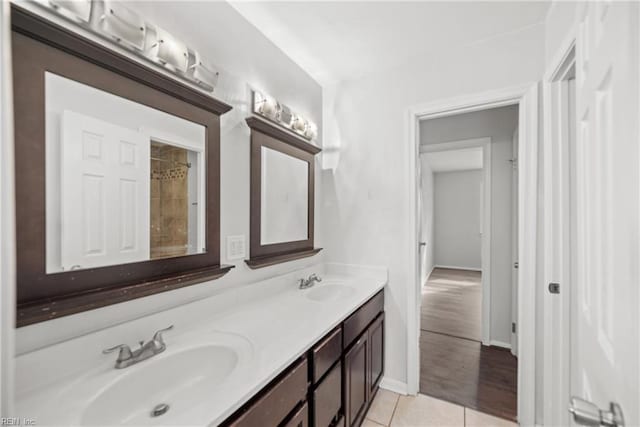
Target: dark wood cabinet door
pixel 376 352
pixel 300 418
pixel 356 380
pixel 327 398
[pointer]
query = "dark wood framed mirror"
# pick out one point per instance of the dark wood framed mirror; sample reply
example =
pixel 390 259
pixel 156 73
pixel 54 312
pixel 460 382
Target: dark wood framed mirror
pixel 117 175
pixel 282 195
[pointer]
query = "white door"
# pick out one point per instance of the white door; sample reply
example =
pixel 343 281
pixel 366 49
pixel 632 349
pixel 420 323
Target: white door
pixel 514 245
pixel 105 193
pixel 605 325
pixel 421 237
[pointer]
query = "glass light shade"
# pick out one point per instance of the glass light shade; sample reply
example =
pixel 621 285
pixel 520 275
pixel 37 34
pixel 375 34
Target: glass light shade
pixel 299 124
pixel 204 74
pixel 169 51
pixel 284 115
pixel 122 24
pixel 79 10
pixel 312 130
pixel 265 105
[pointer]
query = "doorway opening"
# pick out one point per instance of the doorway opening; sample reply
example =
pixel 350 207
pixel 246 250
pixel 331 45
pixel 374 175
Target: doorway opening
pixel 468 168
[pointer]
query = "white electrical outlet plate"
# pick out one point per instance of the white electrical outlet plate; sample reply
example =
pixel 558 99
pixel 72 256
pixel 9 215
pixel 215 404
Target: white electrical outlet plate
pixel 235 247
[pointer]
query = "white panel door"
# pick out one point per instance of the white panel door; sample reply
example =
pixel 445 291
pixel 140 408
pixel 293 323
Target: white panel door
pixel 605 322
pixel 514 244
pixel 105 193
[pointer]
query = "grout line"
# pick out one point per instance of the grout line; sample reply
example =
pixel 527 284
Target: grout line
pixel 464 416
pixel 393 414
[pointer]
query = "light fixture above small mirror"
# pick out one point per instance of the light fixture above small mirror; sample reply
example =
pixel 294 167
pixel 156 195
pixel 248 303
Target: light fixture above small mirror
pixel 266 106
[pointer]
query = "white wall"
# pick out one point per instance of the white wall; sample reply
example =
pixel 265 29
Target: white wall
pixel 427 230
pixel 561 17
pixel 246 58
pixel 499 124
pixel 367 213
pixel 457 219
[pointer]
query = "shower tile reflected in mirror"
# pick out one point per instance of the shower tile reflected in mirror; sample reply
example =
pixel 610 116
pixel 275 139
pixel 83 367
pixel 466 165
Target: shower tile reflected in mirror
pixel 173 205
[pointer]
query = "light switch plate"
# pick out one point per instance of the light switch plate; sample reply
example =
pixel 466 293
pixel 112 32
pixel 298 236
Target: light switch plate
pixel 235 247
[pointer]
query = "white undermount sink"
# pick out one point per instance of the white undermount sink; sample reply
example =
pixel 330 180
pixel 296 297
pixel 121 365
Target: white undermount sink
pixel 329 292
pixel 174 380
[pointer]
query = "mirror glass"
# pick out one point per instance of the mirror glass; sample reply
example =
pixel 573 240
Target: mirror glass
pixel 124 182
pixel 285 196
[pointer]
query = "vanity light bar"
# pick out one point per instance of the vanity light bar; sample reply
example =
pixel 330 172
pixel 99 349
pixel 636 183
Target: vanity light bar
pixel 117 23
pixel 268 107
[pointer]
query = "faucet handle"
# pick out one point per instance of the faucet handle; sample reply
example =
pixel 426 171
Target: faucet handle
pixel 125 351
pixel 315 277
pixel 157 337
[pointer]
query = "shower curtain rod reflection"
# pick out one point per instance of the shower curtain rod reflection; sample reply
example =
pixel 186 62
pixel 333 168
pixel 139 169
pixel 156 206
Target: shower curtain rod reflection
pixel 188 164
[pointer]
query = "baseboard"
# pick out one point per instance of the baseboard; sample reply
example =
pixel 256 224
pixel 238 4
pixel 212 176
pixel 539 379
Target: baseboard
pixel 497 343
pixel 433 267
pixel 394 385
pixel 456 267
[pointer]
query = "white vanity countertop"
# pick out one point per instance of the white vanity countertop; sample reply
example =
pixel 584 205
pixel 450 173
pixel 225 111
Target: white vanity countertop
pixel 271 330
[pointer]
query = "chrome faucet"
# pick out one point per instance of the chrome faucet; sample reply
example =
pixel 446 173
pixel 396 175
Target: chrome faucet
pixel 127 357
pixel 309 282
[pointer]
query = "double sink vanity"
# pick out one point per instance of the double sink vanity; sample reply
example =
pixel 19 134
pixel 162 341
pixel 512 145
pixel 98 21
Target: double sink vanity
pixel 119 213
pixel 282 356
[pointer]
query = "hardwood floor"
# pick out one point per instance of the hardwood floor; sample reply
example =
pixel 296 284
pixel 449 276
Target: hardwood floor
pixel 455 366
pixel 452 303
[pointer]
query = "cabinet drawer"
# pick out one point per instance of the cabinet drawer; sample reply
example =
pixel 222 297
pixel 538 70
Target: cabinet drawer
pixel 325 354
pixel 327 398
pixel 272 407
pixel 300 418
pixel 358 321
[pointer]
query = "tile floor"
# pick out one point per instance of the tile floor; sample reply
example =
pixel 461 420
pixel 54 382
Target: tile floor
pixel 393 410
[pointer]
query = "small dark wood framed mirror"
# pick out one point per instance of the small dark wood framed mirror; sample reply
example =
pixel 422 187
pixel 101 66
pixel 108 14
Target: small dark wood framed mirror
pixel 117 175
pixel 282 195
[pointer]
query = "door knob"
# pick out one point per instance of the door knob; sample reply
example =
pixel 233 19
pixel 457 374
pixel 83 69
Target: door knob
pixel 588 414
pixel 422 244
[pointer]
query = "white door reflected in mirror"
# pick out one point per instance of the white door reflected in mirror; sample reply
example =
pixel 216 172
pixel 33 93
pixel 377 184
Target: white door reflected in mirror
pixel 124 181
pixel 285 198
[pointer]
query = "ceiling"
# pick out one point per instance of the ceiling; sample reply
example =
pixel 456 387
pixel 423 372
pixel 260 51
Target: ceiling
pixel 336 41
pixel 454 160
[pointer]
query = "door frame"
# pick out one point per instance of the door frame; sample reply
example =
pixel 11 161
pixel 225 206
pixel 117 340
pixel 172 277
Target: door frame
pixel 526 96
pixel 557 219
pixel 7 219
pixel 514 243
pixel 485 144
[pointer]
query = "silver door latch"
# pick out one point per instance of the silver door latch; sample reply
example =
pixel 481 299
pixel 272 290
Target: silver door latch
pixel 588 414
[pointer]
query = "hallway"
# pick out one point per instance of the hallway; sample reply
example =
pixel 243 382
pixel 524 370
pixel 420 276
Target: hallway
pixel 455 366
